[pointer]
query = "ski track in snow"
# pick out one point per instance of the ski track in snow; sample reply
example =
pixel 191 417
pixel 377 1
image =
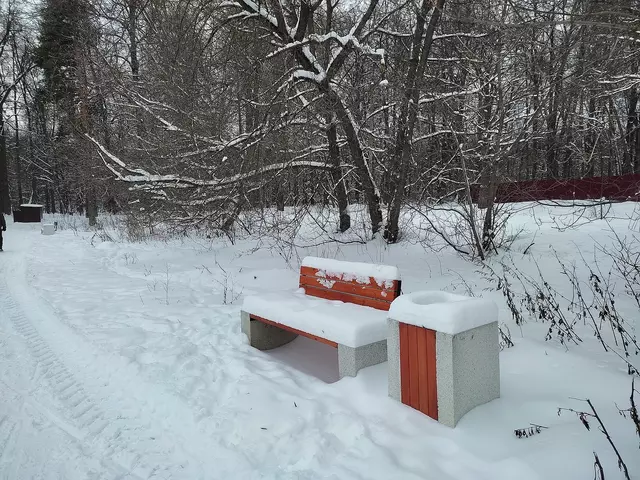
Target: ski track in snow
pixel 115 435
pixel 85 419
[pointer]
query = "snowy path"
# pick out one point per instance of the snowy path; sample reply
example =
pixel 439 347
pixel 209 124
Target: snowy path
pixel 104 375
pixel 69 387
pixel 35 385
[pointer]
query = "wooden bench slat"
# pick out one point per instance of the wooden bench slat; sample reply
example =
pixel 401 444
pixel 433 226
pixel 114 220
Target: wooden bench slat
pixel 313 272
pixel 294 330
pixel 348 287
pixel 347 298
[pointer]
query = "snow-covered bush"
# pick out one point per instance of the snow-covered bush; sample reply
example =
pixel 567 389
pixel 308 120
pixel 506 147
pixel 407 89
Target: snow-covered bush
pixel 589 296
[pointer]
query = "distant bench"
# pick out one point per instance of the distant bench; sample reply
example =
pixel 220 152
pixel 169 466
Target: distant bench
pixel 342 304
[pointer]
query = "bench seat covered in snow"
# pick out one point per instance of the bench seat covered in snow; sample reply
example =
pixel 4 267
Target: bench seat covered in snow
pixel 342 304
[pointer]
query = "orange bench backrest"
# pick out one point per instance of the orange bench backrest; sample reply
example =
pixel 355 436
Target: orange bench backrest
pixel 345 288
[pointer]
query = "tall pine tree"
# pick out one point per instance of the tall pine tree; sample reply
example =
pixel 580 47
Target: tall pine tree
pixel 65 44
pixel 65 33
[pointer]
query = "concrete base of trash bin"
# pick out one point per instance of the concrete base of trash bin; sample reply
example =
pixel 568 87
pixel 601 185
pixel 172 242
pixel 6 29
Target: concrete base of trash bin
pixel 445 373
pixel 47 229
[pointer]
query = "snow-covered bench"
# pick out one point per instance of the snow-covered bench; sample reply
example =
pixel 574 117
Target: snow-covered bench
pixel 342 304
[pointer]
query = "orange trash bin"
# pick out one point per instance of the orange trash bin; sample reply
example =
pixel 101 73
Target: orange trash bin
pixel 443 353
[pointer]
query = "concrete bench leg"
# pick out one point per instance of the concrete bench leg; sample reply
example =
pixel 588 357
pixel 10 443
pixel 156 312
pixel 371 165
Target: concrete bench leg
pixel 263 336
pixel 351 359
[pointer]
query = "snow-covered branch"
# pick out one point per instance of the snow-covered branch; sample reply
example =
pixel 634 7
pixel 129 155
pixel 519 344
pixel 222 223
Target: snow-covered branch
pixel 125 173
pixel 445 96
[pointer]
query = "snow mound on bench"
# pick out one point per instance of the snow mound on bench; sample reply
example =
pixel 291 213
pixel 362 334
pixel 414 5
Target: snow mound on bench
pixel 343 323
pixel 443 312
pixel 383 275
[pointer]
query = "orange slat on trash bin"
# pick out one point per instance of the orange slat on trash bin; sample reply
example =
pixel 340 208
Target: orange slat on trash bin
pixel 405 378
pixel 418 369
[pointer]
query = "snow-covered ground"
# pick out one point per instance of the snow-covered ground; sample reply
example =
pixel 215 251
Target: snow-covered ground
pixel 126 360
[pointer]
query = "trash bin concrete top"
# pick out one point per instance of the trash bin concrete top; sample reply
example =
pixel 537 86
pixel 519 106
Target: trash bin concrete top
pixel 443 312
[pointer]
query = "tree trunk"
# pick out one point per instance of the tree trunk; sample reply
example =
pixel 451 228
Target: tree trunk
pixel 5 199
pixel 488 226
pixel 47 202
pixel 280 197
pixel 590 141
pixel 17 155
pixel 551 160
pixel 132 28
pixel 369 188
pixel 339 187
pixel 630 153
pixel 31 164
pixel 52 198
pixel 92 207
pixel 421 47
pixel 34 187
pixel 475 238
pixel 337 178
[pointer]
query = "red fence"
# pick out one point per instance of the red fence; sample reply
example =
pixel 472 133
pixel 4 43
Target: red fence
pixel 619 188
